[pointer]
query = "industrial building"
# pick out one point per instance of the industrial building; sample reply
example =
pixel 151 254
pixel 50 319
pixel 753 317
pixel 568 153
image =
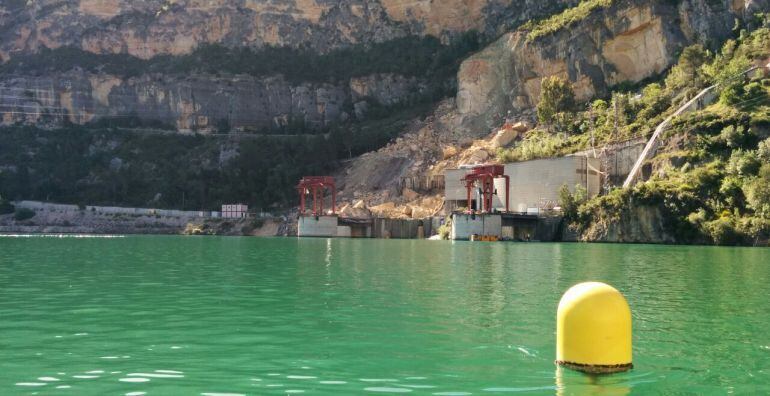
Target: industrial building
pixel 534 185
pixel 235 211
pixel 506 201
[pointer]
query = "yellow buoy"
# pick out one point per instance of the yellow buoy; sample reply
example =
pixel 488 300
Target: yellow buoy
pixel 593 329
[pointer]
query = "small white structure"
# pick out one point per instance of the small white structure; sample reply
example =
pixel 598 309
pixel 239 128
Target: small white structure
pixel 317 226
pixel 235 211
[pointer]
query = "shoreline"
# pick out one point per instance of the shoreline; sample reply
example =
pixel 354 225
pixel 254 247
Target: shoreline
pixel 56 221
pixel 50 221
pixel 77 234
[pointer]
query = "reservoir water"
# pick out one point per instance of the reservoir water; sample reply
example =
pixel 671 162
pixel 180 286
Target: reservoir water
pixel 204 315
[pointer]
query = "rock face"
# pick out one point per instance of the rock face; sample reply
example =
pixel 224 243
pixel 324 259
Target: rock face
pixel 146 29
pixel 152 27
pixel 200 102
pixel 637 224
pixel 629 41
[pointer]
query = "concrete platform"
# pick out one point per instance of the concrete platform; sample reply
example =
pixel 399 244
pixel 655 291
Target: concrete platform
pixel 465 225
pixel 320 226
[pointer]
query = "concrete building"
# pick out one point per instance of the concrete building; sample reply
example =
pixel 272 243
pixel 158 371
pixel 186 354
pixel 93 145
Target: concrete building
pixel 455 195
pixel 466 225
pixel 534 185
pixel 235 211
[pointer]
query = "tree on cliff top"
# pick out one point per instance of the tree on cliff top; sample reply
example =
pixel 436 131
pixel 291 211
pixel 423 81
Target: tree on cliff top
pixel 688 71
pixel 5 206
pixel 556 96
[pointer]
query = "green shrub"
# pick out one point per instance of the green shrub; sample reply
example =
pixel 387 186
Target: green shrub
pixel 570 201
pixel 763 150
pixel 445 229
pixel 733 137
pixel 731 191
pixel 698 218
pixel 755 228
pixel 687 72
pixel 726 71
pixel 537 144
pixel 743 163
pixel 556 96
pixel 757 192
pixel 753 90
pixel 22 214
pixel 564 19
pixel 755 45
pixel 6 207
pixel 722 231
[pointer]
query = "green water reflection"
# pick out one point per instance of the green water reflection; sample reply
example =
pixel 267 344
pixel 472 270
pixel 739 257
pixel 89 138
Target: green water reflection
pixel 176 315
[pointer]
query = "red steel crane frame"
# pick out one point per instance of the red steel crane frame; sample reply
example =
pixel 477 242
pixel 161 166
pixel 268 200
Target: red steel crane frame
pixel 314 184
pixel 486 174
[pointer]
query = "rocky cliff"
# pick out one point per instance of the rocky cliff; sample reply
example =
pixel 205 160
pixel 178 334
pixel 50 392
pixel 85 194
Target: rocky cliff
pixel 62 92
pixel 198 102
pixel 149 28
pixel 636 224
pixel 627 41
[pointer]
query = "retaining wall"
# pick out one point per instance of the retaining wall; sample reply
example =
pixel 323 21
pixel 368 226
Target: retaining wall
pixel 321 226
pixel 402 228
pixel 465 225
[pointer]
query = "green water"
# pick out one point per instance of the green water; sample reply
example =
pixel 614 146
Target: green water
pixel 205 315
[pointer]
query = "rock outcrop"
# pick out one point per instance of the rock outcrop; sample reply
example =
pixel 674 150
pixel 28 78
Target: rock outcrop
pixel 201 102
pixel 154 27
pixel 627 42
pixel 147 29
pixel 636 224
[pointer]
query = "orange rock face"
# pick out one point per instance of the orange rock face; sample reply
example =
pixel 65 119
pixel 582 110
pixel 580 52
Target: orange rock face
pixel 152 27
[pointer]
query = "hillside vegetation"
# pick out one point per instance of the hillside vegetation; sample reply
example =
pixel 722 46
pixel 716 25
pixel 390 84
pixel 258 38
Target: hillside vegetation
pixel 711 176
pixel 408 56
pixel 563 19
pixel 113 166
pixel 110 162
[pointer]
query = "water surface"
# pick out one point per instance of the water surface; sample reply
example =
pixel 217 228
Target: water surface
pixel 205 315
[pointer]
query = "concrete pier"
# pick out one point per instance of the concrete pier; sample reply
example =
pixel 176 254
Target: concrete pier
pixel 465 225
pixel 317 226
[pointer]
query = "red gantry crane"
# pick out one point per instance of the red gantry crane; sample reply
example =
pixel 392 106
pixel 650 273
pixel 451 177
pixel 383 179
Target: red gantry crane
pixel 315 185
pixel 486 175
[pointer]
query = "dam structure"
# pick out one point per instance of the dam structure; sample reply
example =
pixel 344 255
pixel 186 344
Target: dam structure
pixel 317 223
